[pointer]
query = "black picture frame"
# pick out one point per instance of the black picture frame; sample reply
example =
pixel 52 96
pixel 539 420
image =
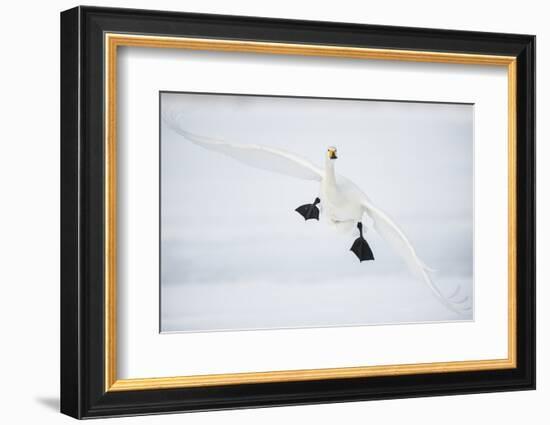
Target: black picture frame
pixel 83 392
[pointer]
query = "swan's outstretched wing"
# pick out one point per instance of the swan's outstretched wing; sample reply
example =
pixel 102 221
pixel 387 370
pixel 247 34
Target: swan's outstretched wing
pixel 395 237
pixel 263 157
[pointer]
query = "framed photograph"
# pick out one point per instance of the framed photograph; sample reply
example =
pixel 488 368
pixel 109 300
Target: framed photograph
pixel 261 212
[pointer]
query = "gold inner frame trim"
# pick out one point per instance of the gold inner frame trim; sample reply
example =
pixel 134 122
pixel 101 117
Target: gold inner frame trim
pixel 113 41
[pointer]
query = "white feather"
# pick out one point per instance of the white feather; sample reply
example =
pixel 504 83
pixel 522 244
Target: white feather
pixel 396 238
pixel 258 156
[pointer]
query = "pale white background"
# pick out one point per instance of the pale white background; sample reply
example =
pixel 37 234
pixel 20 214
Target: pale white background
pixel 295 271
pixel 29 171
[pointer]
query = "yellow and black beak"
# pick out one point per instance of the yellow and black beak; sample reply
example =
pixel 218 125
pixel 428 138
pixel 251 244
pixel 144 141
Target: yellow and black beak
pixel 332 154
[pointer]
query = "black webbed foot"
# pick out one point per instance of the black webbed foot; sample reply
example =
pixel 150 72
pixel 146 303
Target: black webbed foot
pixel 309 211
pixel 360 247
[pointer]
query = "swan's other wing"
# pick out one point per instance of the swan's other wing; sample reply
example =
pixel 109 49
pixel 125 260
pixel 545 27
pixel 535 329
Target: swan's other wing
pixel 395 237
pixel 262 157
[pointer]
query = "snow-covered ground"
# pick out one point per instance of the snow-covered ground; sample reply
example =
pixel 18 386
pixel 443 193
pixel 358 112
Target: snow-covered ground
pixel 353 300
pixel 276 279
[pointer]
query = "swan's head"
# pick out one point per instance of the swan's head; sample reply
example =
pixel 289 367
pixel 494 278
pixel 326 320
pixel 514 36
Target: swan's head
pixel 331 152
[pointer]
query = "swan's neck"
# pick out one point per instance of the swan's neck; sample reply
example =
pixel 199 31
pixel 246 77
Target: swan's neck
pixel 330 176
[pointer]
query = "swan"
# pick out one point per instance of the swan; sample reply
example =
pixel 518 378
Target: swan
pixel 343 204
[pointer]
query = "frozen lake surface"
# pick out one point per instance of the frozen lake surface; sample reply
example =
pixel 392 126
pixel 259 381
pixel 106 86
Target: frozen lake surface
pixel 254 284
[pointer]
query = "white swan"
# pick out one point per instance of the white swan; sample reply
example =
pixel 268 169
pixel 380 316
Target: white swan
pixel 343 203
